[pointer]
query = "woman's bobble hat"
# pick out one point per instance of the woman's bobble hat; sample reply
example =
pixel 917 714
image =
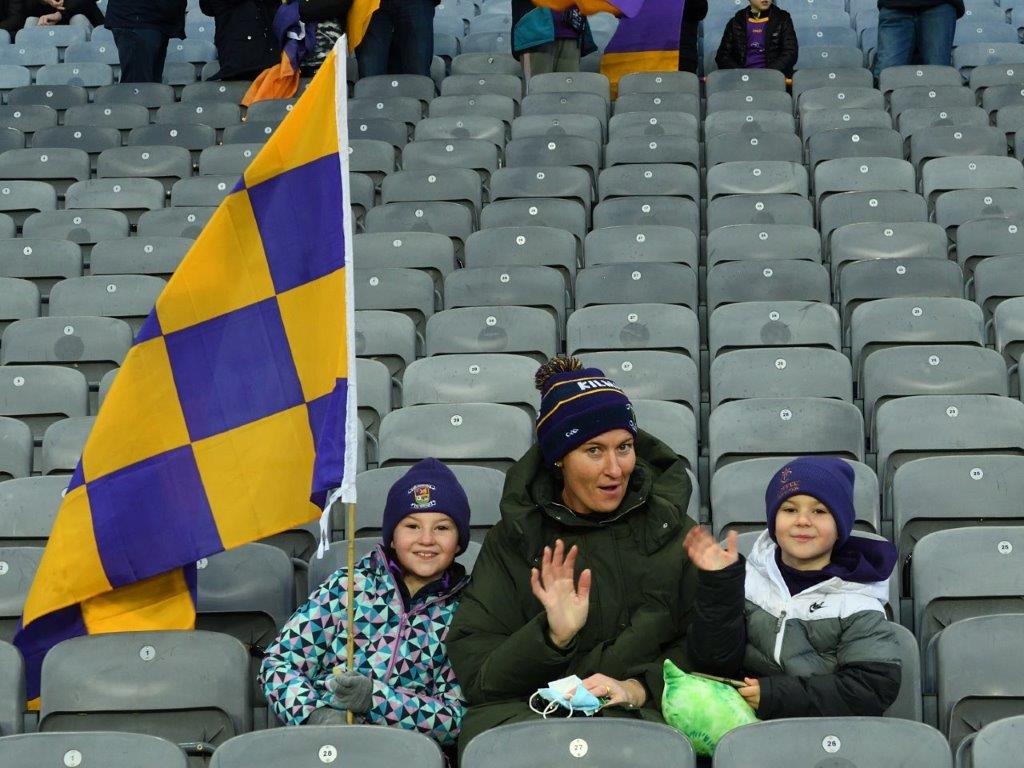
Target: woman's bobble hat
pixel 577 404
pixel 826 478
pixel 428 486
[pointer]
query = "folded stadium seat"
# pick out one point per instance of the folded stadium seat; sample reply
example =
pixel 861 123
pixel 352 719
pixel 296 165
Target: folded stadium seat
pixel 20 564
pixel 158 256
pixel 251 132
pixel 579 103
pixel 483 105
pixel 666 327
pixel 92 50
pixel 337 557
pixel 150 95
pixel 476 378
pixel 564 182
pixel 191 51
pixel 41 260
pixel 942 174
pixel 232 159
pixel 737 492
pixel 780 372
pixel 486 434
pixel 485 64
pixel 175 222
pixel 479 84
pixel 841 98
pixel 773 324
pixel 834 76
pixel 538 152
pixel 819 120
pixel 166 164
pixel 829 57
pixel 559 213
pixel 91 139
pixel 191 687
pixel 178 74
pixel 12 702
pixel 907 705
pixel 649 180
pixel 478 155
pixel 216 114
pixel 840 34
pixel 21 199
pixel 223 90
pixel 19 299
pixel 63 442
pixel 28 507
pixel 523 246
pixel 653 125
pixel 11 138
pixel 639 283
pixel 632 244
pixel 675 425
pixel 922 75
pixel 570 82
pixel 425 251
pixel 405 109
pixel 862 174
pixel 387 86
pixel 987 75
pixel 513 329
pixel 869 280
pixel 127 297
pixel 132 196
pixel 744 80
pixel 83 227
pixel 14 76
pixel 853 142
pixel 951 209
pixel 389 337
pixel 752 121
pixel 58 97
pixel 409 291
pixel 93 345
pixel 60 36
pixel 944 141
pixel 768 101
pixel 535 286
pixel 914 119
pixel 16 448
pixel 659 82
pixel 856 207
pixel 969 31
pixel 759 209
pixel 458 185
pixel 757 242
pixel 448 218
pixel 998 96
pixel 753 147
pixel 763 177
pixel 996 744
pixel 856 740
pixel 113 750
pixel 913 320
pixel 39 395
pixel 87 74
pixel 649 149
pixel 206 190
pixel 997 279
pixel 477 127
pixel 59 167
pixel 32 56
pixel 194 137
pixel 373 747
pixel 980 238
pixel 275 110
pixel 488 42
pixel 647 103
pixel 650 374
pixel 362 197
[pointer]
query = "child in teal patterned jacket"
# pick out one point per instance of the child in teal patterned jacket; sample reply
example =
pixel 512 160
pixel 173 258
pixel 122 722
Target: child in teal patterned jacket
pixel 406 592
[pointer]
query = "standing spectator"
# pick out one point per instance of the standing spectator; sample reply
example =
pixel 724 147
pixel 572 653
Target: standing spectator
pixel 547 40
pixel 400 32
pixel 141 30
pixel 246 44
pixel 694 12
pixel 759 37
pixel 916 32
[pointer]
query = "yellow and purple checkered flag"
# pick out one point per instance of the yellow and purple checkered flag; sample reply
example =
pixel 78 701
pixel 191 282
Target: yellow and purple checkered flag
pixel 234 415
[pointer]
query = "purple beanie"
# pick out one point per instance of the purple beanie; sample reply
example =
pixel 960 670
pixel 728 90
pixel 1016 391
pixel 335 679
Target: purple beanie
pixel 826 478
pixel 428 486
pixel 577 405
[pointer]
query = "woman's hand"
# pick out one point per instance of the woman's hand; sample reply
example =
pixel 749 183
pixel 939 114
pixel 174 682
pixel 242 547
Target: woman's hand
pixel 617 693
pixel 55 4
pixel 751 693
pixel 565 602
pixel 706 553
pixel 49 19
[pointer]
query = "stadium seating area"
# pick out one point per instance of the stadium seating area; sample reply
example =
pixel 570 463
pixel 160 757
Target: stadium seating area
pixel 830 268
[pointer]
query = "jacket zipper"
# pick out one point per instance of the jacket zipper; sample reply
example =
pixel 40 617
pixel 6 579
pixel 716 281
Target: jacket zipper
pixel 403 621
pixel 780 632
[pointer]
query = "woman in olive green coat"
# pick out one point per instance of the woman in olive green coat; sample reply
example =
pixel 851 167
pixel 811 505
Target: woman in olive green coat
pixel 585 574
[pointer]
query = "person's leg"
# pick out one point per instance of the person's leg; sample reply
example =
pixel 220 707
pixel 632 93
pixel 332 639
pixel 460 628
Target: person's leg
pixel 137 51
pixel 935 29
pixel 896 33
pixel 567 56
pixel 159 57
pixel 539 61
pixel 372 52
pixel 414 36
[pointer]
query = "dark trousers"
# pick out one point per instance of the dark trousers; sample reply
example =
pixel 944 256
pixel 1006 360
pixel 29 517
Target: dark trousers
pixel 401 33
pixel 141 52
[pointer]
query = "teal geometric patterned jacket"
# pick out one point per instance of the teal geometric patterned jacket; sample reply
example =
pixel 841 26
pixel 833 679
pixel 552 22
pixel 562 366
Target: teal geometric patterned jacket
pixel 401 650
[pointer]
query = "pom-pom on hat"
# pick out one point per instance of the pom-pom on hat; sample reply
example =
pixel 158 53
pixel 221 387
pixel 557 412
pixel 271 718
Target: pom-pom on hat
pixel 577 404
pixel 826 478
pixel 428 486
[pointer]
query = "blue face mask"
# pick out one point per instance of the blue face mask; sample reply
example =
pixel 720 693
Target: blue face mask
pixel 567 693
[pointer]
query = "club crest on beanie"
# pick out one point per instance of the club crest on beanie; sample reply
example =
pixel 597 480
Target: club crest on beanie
pixel 826 478
pixel 577 404
pixel 428 486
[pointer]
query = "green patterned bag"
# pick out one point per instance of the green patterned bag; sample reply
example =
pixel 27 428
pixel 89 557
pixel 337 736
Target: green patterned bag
pixel 701 709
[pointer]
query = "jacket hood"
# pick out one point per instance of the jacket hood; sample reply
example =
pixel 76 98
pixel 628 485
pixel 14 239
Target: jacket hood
pixel 858 569
pixel 659 486
pixel 376 562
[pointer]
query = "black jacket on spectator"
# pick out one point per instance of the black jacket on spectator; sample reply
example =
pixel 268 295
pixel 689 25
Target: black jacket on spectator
pixel 694 12
pixel 166 15
pixel 921 5
pixel 12 15
pixel 244 36
pixel 780 42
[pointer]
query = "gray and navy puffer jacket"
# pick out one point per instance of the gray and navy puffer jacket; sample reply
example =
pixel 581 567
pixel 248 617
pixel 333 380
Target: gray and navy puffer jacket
pixel 400 648
pixel 826 651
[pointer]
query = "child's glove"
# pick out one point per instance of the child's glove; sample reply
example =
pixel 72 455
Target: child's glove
pixel 326 716
pixel 350 691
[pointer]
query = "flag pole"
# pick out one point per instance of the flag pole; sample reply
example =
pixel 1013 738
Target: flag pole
pixel 350 644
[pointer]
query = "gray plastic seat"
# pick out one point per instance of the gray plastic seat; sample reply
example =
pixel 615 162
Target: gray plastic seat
pixel 907 428
pixel 759 209
pixel 647 210
pixel 651 283
pixel 201 190
pixel 915 119
pixel 478 127
pixel 935 96
pixel 829 75
pixel 646 103
pixel 386 86
pixel 951 209
pixel 389 337
pixel 404 290
pixel 488 105
pixel 107 748
pixel 541 152
pixel 485 64
pixel 373 392
pixel 820 120
pixel 15 448
pixel 675 425
pixel 566 103
pixel 667 327
pixel 132 196
pixel 175 222
pixel 570 82
pixel 138 255
pixel 373 157
pixel 756 178
pixel 228 159
pixel 567 182
pixel 784 280
pixel 476 378
pixel 486 434
pixel 28 56
pixel 744 80
pixel 21 564
pixel 427 251
pixel 63 442
pixel 650 374
pixel 996 745
pixel 40 395
pixel 882 240
pixel 149 95
pixel 570 215
pixel 946 141
pixel 447 218
pixel 478 84
pixel 996 279
pixel 892 78
pixel 653 125
pixel 194 137
pixel 855 740
pixel 853 142
pixel 839 98
pixel 773 324
pixel 123 117
pixel 196 687
pixel 488 42
pixel 631 244
pixel 164 163
pixel 28 118
pixel 88 74
pixel 996 97
pixel 19 199
pixel 1008 322
pixel 649 180
pixel 29 506
pixel 772 101
pixel 393 132
pixel 448 185
pixel 780 372
pixel 753 148
pixel 43 261
pixel 882 206
pixel 863 174
pixel 750 242
pixel 652 149
pixel 659 82
pixel 510 329
pixel 979 239
pixel 59 97
pixel 611 741
pixel 744 429
pixel 275 110
pixel 230 91
pixel 93 345
pixel 737 495
pixel 128 297
pixel 59 167
pixel 971 172
pixel 479 155
pixel 523 246
pixel 534 286
pixel 885 278
pixel 752 121
pixel 405 109
pixel 91 139
pixel 216 114
pixel 19 299
pixel 253 132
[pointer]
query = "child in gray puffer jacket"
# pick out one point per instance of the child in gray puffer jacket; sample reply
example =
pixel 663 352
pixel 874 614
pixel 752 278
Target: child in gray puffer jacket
pixel 802 619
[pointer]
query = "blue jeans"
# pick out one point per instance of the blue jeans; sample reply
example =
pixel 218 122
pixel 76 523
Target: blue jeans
pixel 399 40
pixel 141 52
pixel 915 37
